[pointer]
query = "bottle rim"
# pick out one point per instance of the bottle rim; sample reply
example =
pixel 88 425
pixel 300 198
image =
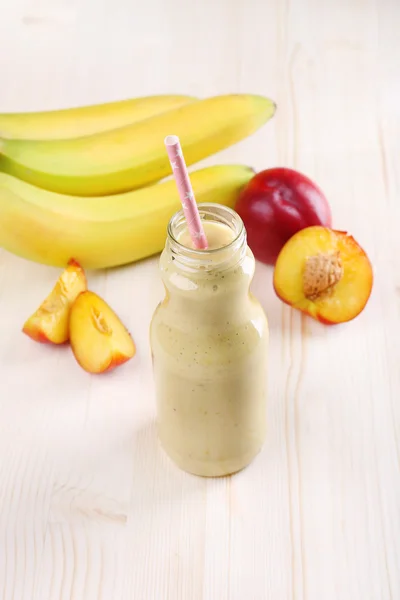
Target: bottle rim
pixel 208 211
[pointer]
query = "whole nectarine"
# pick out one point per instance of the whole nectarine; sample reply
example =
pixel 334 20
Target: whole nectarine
pixel 274 205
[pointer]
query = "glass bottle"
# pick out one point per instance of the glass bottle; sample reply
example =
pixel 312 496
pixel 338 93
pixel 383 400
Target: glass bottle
pixel 209 341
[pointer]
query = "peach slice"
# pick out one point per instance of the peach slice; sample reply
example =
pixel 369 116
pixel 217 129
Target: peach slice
pixel 324 273
pixel 49 324
pixel 99 340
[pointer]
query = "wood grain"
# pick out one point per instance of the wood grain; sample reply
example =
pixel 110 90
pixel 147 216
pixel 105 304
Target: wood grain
pixel 90 507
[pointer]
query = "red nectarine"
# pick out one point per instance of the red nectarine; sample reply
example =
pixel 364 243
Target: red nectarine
pixel 274 205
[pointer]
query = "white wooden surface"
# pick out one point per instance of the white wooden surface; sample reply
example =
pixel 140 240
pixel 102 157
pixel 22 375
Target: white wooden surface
pixel 90 508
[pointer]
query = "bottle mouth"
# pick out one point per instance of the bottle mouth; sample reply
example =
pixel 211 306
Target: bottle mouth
pixel 209 211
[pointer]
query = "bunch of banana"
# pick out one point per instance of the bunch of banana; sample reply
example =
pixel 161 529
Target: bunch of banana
pixel 105 231
pixel 78 196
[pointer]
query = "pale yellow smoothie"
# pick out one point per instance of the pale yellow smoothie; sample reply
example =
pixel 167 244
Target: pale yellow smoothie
pixel 218 235
pixel 209 340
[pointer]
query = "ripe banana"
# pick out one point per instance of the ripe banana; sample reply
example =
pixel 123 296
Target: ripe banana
pixel 102 232
pixel 134 156
pixel 85 120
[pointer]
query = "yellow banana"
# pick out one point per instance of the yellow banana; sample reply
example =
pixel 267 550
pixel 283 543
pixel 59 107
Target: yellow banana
pixel 105 231
pixel 133 156
pixel 85 120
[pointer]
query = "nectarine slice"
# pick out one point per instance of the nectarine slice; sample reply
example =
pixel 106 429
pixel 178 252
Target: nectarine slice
pixel 99 340
pixel 324 273
pixel 49 324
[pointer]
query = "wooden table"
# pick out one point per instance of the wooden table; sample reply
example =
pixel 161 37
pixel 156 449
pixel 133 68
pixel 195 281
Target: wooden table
pixel 90 507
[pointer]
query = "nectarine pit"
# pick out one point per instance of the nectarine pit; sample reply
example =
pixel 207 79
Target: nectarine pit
pixel 66 283
pixel 321 273
pixel 53 303
pixel 100 323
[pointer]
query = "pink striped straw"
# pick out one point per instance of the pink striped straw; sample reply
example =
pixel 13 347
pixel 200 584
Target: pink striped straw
pixel 185 191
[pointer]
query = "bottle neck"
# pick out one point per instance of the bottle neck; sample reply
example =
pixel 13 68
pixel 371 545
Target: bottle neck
pixel 215 258
pixel 207 286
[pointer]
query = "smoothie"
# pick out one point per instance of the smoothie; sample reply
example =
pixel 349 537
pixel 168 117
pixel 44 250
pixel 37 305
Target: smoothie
pixel 209 341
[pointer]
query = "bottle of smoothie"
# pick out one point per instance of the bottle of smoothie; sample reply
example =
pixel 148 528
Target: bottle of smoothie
pixel 209 340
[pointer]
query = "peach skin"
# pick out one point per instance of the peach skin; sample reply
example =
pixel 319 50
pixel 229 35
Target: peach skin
pixel 324 273
pixel 49 323
pixel 99 340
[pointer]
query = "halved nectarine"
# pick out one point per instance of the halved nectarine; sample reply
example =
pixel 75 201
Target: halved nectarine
pixel 49 324
pixel 99 340
pixel 324 273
